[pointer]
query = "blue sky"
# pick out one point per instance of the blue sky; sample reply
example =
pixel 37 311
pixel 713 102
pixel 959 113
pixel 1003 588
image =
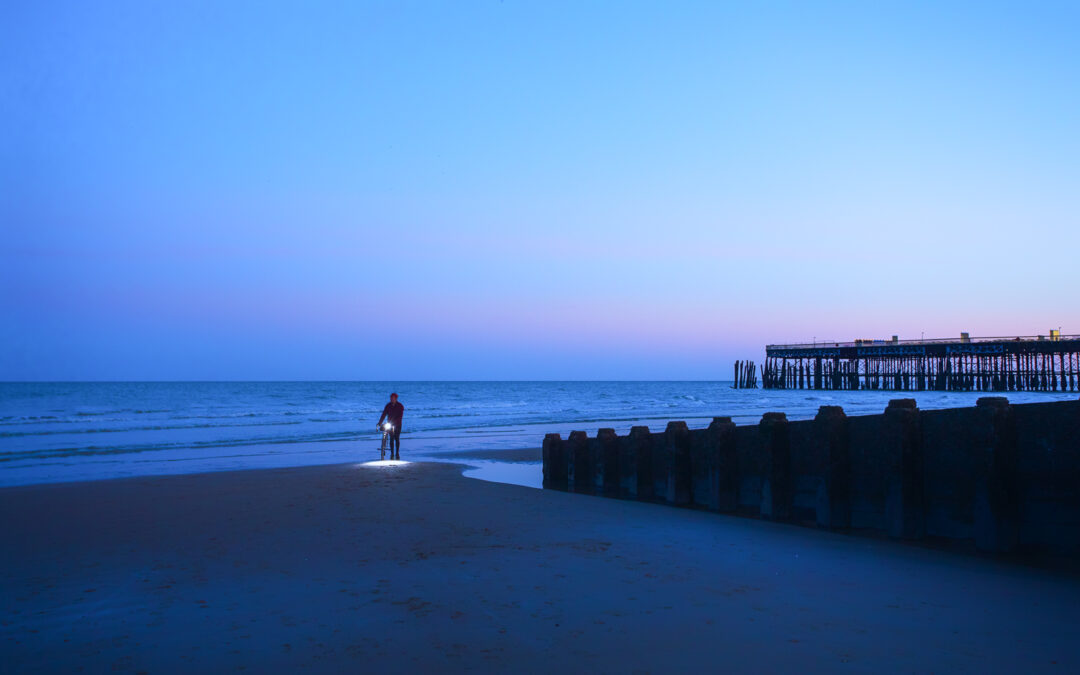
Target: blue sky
pixel 474 190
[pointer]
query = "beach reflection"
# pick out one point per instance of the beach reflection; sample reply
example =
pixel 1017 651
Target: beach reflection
pixel 526 474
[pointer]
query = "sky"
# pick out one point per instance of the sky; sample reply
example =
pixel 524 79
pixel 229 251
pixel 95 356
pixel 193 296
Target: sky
pixel 525 190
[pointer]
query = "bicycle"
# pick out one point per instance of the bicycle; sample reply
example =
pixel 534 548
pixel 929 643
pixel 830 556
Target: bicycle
pixel 387 428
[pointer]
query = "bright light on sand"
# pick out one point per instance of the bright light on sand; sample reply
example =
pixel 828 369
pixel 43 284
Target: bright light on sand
pixel 385 462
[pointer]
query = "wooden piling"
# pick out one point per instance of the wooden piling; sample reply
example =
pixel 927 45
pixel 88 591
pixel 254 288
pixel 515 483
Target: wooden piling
pixel 677 463
pixel 777 490
pixel 834 498
pixel 554 462
pixel 904 505
pixel 997 496
pixel 579 471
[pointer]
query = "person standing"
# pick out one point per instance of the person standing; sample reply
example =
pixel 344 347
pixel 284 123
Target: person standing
pixel 392 413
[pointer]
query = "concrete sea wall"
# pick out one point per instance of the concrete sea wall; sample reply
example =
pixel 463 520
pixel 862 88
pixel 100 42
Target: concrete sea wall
pixel 1006 477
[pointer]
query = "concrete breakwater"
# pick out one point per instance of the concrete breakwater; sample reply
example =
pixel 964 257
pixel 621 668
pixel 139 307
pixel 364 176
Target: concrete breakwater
pixel 1004 476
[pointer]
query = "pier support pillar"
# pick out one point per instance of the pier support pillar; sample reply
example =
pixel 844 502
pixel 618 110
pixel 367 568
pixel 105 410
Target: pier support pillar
pixel 554 462
pixel 777 488
pixel 677 463
pixel 997 496
pixel 905 511
pixel 579 471
pixel 834 498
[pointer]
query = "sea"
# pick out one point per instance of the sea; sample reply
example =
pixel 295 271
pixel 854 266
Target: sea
pixel 61 432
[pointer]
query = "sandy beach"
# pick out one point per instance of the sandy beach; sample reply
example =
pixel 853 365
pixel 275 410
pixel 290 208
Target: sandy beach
pixel 414 567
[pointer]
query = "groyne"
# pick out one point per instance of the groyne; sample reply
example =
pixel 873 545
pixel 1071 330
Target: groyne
pixel 1006 477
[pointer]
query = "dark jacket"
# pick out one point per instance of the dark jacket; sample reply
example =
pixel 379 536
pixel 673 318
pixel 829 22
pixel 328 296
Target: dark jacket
pixel 393 412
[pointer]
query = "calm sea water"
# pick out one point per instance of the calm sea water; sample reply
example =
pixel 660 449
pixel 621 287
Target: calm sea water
pixel 78 431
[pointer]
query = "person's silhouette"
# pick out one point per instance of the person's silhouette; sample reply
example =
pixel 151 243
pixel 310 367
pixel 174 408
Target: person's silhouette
pixel 392 413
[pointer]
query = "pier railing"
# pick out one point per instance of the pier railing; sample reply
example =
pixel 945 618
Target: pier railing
pixel 924 341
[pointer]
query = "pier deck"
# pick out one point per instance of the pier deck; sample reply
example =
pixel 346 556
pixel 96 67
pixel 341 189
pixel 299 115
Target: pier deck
pixel 1025 363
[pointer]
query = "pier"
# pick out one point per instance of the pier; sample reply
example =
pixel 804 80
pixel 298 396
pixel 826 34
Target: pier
pixel 991 364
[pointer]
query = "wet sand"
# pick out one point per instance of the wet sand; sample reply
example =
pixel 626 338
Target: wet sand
pixel 410 567
pixel 523 455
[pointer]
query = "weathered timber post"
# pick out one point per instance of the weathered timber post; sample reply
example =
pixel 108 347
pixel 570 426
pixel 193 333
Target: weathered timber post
pixel 905 511
pixel 777 488
pixel 579 473
pixel 1072 371
pixel 834 498
pixel 1061 365
pixel 635 463
pixel 606 461
pixel 714 480
pixel 997 496
pixel 677 463
pixel 660 465
pixel 595 478
pixel 554 462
